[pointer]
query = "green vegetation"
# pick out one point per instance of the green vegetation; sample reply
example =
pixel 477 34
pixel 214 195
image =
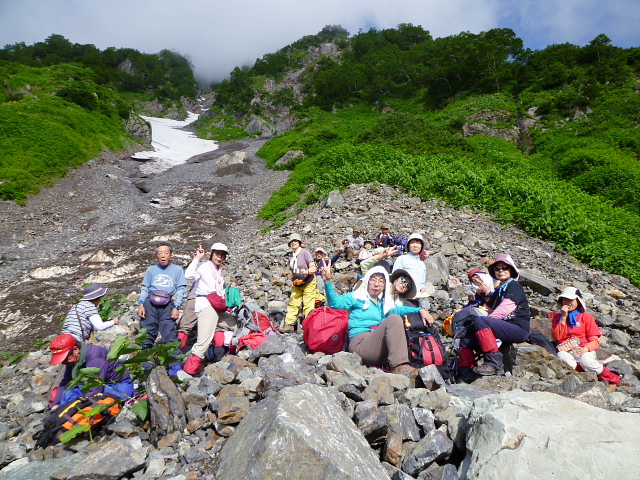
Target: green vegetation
pixel 572 176
pixel 159 355
pixel 55 127
pixel 63 103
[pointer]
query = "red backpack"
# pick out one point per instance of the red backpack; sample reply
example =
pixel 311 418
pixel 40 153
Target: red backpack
pixel 325 330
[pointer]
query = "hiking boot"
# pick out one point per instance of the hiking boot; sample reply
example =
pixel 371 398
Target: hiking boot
pixel 403 369
pixel 288 329
pixel 492 365
pixel 466 375
pixel 486 369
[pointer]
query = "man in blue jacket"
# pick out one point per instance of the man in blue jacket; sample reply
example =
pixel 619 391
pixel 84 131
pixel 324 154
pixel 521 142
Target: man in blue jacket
pixel 161 295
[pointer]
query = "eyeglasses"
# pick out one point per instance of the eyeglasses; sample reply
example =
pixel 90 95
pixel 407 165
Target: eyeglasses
pixel 501 267
pixel 405 283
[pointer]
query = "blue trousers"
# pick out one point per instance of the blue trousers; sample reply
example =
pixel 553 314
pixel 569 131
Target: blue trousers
pixel 123 389
pixel 506 331
pixel 158 320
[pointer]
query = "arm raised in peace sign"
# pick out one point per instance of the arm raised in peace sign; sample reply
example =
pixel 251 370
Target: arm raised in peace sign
pixel 325 270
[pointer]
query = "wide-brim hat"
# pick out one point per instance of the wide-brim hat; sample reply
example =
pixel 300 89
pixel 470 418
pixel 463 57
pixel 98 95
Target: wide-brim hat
pixel 371 242
pixel 294 236
pixel 416 236
pixel 385 225
pixel 60 348
pixel 571 293
pixel 219 247
pixel 320 249
pixel 411 293
pixel 93 291
pixel 504 258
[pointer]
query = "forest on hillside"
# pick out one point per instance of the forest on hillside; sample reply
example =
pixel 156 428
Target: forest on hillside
pixel 547 140
pixel 63 102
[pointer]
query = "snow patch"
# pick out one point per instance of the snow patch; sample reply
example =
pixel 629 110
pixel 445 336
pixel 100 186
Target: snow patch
pixel 172 146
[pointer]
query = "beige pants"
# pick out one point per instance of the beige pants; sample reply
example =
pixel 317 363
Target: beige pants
pixel 189 318
pixel 386 344
pixel 589 361
pixel 209 321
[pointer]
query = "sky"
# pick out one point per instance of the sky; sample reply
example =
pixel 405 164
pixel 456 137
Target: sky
pixel 220 35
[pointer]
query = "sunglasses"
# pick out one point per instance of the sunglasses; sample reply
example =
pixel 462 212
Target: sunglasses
pixel 406 283
pixel 501 267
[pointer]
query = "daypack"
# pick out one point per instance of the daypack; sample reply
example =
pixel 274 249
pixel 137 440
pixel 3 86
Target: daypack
pixel 251 322
pixel 465 318
pixel 66 416
pixel 425 345
pixel 326 330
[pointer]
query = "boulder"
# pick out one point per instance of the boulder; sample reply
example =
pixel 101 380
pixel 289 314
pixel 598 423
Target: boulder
pixel 115 460
pixel 233 158
pixel 534 432
pixel 334 200
pixel 302 433
pixel 166 406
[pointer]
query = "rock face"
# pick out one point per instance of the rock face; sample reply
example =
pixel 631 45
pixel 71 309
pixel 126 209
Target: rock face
pixel 548 436
pixel 299 433
pixel 166 405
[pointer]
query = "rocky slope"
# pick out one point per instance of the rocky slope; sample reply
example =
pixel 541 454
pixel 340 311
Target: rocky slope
pixel 288 414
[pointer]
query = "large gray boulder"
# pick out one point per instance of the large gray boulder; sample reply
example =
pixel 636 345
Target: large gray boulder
pixel 302 433
pixel 547 436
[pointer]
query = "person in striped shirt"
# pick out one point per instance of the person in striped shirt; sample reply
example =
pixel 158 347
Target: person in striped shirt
pixel 83 318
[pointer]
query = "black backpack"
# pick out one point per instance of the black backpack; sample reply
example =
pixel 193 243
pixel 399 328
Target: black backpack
pixel 425 345
pixel 66 416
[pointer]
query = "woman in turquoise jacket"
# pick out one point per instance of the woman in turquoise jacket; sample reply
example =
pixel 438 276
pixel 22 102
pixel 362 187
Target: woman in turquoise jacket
pixel 376 327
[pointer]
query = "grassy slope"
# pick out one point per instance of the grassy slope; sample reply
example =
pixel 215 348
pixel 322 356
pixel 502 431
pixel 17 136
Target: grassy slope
pixel 42 135
pixel 423 153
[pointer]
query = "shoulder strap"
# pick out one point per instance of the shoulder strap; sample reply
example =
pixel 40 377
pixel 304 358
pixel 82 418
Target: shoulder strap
pixel 84 337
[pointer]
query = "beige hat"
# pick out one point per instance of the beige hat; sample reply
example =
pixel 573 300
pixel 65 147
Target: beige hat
pixel 294 236
pixel 571 293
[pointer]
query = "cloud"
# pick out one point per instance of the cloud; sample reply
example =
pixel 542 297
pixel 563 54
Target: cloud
pixel 219 35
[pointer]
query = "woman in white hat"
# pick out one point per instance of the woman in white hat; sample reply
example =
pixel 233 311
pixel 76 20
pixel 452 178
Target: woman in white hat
pixel 578 336
pixel 376 327
pixel 210 281
pixel 83 318
pixel 412 263
pixel 508 320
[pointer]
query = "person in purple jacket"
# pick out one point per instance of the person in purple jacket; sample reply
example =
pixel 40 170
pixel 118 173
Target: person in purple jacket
pixel 74 355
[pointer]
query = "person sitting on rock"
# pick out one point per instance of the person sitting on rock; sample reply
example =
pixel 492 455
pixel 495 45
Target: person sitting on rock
pixel 353 243
pixel 75 355
pixel 366 252
pixel 578 336
pixel 385 238
pixel 411 262
pixel 508 320
pixel 211 312
pixel 376 327
pixel 303 290
pixel 483 285
pixel 161 295
pixel 83 318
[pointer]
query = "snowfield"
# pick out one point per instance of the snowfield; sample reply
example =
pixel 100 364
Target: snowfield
pixel 172 145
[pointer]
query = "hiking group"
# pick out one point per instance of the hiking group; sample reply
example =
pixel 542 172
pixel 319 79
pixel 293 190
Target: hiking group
pixel 385 317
